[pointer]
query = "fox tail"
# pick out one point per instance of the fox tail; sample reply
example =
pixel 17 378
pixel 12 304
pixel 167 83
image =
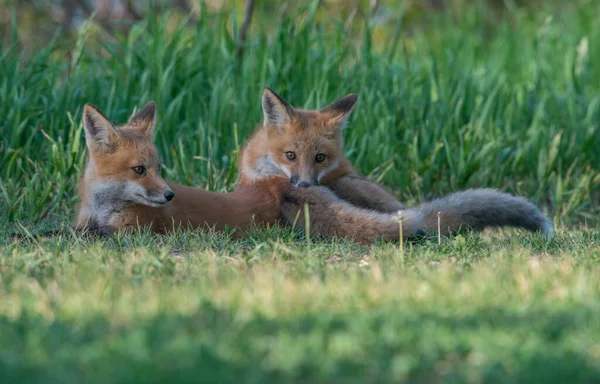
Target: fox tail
pixel 477 209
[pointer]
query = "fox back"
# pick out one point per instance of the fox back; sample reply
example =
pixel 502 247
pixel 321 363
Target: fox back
pixel 303 145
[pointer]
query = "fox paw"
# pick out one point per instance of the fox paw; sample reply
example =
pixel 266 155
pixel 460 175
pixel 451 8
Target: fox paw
pixel 289 198
pixel 292 203
pixel 318 199
pixel 290 209
pixel 317 196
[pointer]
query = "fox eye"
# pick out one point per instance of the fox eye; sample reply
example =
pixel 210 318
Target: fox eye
pixel 140 169
pixel 290 155
pixel 320 157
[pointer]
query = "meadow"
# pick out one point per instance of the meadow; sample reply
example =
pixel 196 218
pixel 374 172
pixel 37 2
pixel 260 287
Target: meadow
pixel 452 102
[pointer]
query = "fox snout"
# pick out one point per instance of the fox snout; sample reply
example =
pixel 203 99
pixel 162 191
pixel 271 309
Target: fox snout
pixel 155 196
pixel 167 195
pixel 297 183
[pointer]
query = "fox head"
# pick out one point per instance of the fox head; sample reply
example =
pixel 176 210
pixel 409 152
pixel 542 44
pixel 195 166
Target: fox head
pixel 125 159
pixel 304 144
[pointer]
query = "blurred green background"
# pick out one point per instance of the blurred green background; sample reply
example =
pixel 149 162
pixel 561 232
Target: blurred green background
pixel 452 94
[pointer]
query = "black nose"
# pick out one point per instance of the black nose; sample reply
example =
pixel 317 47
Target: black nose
pixel 169 195
pixel 303 184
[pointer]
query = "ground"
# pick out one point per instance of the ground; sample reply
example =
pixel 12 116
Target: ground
pixel 497 307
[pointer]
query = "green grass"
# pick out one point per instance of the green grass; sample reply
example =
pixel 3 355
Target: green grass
pixel 194 307
pixel 460 103
pixel 443 110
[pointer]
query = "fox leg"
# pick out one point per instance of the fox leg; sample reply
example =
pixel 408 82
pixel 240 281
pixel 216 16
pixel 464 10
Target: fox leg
pixel 363 193
pixel 331 216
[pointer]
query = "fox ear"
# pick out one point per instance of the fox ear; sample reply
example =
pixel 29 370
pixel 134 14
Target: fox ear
pixel 145 120
pixel 100 133
pixel 276 110
pixel 340 110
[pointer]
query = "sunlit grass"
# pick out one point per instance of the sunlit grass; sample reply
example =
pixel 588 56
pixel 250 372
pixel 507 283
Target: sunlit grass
pixel 138 308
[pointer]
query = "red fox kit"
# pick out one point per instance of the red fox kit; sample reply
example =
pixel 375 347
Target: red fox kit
pixel 306 146
pixel 122 187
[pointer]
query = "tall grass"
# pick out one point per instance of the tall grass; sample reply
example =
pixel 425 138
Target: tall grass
pixel 455 105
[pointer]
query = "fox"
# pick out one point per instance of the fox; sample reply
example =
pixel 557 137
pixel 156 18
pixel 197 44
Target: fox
pixel 306 146
pixel 122 188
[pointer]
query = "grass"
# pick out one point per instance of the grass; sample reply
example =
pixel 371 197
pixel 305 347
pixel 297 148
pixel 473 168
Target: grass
pixel 457 104
pixel 194 307
pixel 444 110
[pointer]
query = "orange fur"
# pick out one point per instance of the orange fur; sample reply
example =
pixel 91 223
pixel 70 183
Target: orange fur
pixel 114 196
pixel 308 134
pixel 111 162
pixel 306 146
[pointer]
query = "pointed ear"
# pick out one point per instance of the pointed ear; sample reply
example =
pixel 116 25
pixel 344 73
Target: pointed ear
pixel 145 120
pixel 340 110
pixel 100 133
pixel 277 111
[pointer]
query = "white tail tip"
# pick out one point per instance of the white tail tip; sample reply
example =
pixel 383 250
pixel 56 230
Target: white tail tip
pixel 548 229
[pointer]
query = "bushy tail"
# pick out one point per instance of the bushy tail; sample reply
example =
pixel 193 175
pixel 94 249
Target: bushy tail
pixel 477 209
pixel 331 216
